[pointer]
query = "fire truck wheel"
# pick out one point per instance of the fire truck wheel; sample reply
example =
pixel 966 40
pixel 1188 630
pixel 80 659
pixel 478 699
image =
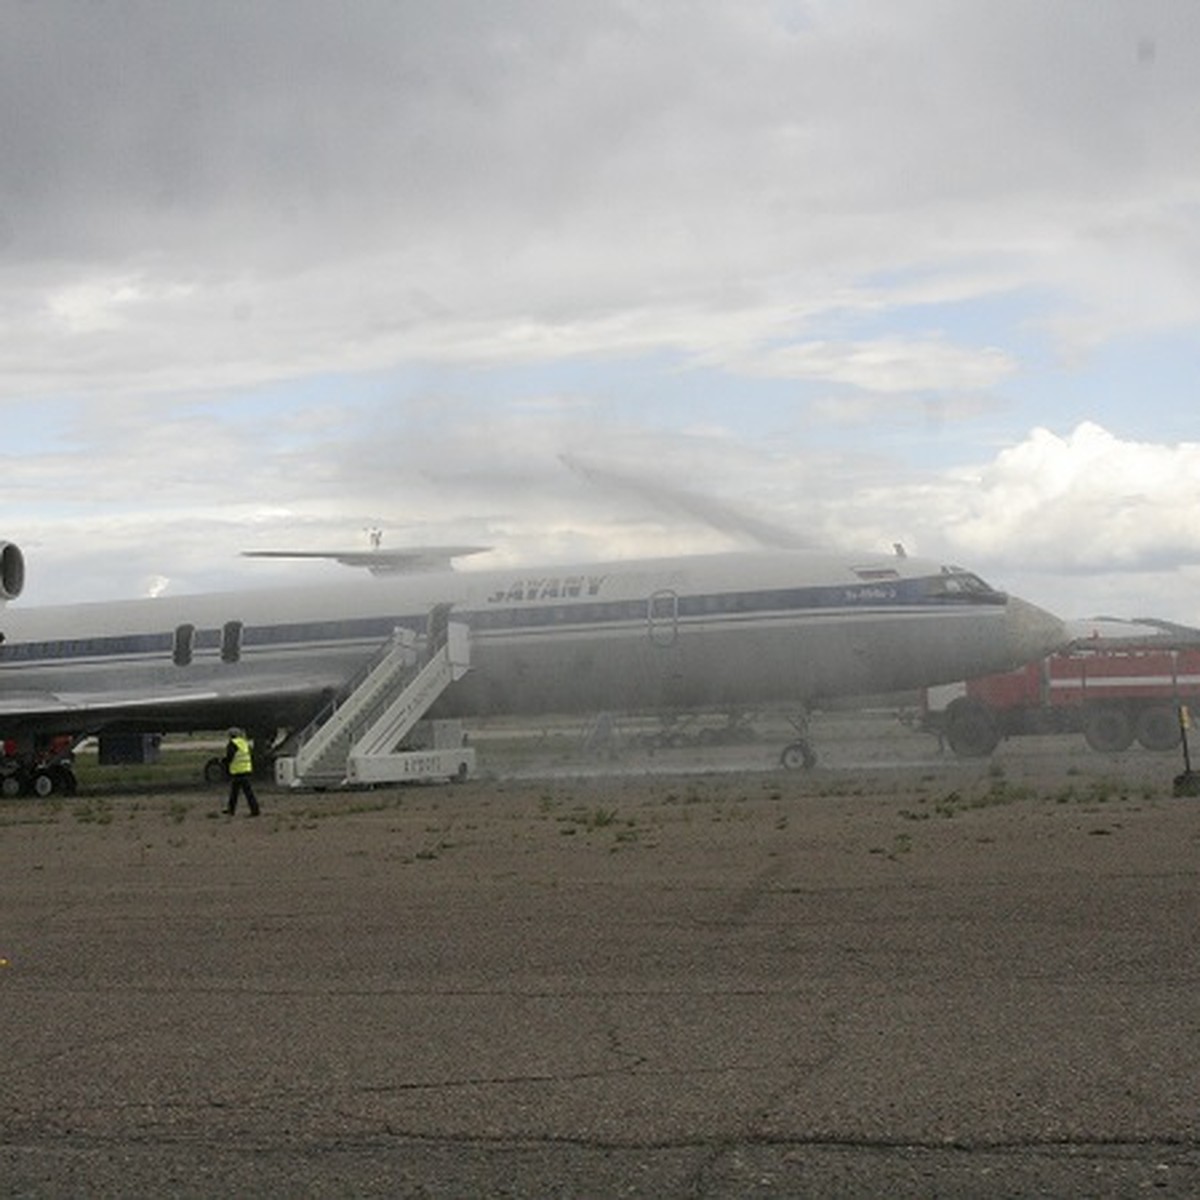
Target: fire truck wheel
pixel 1158 728
pixel 1108 730
pixel 971 729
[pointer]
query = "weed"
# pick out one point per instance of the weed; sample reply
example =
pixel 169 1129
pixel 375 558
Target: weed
pixel 429 853
pixel 1101 791
pixel 593 818
pixel 949 805
pixel 182 769
pixel 1003 792
pixel 901 844
pixel 96 811
pixel 1098 791
pixel 39 816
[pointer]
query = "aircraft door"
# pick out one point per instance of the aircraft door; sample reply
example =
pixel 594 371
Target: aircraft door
pixel 663 618
pixel 184 645
pixel 231 642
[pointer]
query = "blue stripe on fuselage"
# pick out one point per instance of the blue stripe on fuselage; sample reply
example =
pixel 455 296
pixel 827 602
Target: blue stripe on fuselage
pixel 919 594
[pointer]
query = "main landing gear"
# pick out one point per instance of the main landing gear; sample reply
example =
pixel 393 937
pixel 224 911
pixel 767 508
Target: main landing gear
pixel 37 766
pixel 799 755
pixel 36 779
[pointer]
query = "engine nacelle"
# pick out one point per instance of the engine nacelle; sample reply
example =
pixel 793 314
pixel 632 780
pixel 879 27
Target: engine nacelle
pixel 12 571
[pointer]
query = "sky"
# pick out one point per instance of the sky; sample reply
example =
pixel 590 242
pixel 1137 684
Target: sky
pixel 579 280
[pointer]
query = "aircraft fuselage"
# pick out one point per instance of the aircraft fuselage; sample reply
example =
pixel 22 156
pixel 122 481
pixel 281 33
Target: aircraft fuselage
pixel 720 630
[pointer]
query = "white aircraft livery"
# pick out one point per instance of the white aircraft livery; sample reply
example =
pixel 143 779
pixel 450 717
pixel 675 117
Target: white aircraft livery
pixel 713 631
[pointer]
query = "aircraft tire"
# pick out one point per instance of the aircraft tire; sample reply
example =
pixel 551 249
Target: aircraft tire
pixel 1158 727
pixel 798 756
pixel 971 729
pixel 63 779
pixel 1108 729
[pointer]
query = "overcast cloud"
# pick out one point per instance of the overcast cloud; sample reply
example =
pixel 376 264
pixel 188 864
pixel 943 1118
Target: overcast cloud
pixel 869 271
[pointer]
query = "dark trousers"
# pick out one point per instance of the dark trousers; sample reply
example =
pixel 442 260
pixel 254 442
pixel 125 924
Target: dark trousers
pixel 241 783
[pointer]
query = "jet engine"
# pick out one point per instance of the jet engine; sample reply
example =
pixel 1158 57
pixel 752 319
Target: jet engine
pixel 12 571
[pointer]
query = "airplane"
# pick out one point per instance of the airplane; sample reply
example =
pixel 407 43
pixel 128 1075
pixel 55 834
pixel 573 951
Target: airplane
pixel 717 631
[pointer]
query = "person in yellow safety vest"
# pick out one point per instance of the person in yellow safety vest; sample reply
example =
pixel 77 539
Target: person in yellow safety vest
pixel 240 766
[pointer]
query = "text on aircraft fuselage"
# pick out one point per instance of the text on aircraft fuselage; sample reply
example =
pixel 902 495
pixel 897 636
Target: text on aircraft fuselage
pixel 549 588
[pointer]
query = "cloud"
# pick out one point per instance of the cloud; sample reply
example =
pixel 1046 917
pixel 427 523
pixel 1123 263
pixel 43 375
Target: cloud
pixel 235 193
pixel 887 365
pixel 270 273
pixel 932 412
pixel 1086 502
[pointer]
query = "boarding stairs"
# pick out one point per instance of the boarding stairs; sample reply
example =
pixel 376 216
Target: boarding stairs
pixel 358 739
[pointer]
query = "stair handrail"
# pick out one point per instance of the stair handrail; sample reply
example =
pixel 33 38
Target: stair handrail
pixel 437 632
pixel 329 710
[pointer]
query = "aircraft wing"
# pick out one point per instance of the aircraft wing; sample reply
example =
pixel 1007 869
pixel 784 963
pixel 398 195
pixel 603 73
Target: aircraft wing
pixel 261 700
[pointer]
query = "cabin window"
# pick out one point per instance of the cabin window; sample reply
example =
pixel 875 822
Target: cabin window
pixel 231 642
pixel 663 613
pixel 185 641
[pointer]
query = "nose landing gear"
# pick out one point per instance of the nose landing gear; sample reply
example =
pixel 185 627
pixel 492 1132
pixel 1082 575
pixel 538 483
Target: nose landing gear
pixel 799 755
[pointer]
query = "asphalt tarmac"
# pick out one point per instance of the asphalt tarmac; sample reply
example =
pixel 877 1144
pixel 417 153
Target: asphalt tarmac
pixel 935 979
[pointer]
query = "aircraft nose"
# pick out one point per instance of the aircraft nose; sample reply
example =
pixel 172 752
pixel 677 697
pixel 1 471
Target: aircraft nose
pixel 1033 632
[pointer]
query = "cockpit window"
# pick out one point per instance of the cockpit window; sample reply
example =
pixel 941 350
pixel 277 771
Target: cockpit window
pixel 954 582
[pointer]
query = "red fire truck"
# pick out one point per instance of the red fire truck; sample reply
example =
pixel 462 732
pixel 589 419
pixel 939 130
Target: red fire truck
pixel 1112 691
